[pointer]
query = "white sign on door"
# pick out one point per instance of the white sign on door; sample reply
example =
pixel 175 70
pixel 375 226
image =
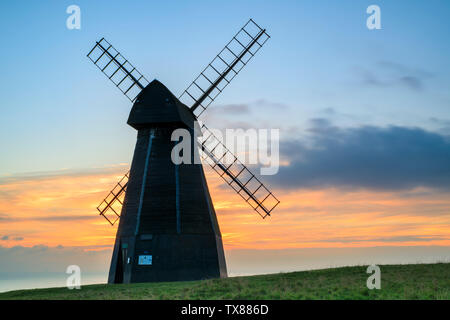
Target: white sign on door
pixel 145 260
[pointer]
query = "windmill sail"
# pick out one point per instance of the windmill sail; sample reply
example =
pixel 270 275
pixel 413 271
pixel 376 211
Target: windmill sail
pixel 121 72
pixel 224 67
pixel 237 175
pixel 111 206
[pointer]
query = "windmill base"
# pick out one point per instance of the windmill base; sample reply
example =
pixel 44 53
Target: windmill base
pixel 174 257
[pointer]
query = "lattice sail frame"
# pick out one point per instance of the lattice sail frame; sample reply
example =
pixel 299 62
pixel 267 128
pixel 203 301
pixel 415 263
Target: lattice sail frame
pixel 111 207
pixel 236 174
pixel 224 67
pixel 118 69
pixel 199 95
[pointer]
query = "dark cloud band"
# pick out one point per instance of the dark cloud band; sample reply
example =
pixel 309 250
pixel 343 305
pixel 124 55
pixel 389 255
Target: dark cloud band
pixel 392 158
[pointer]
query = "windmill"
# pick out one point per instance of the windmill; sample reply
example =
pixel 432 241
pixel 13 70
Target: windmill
pixel 168 228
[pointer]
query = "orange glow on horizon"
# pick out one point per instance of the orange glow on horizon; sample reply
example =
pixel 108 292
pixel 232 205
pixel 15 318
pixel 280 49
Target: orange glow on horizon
pixel 60 209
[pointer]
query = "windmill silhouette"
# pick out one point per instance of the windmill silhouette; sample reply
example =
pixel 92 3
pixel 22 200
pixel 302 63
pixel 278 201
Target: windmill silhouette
pixel 168 228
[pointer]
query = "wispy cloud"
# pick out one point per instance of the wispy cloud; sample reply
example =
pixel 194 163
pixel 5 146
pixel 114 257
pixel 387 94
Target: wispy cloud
pixel 64 173
pixel 257 114
pixel 408 238
pixel 68 218
pixel 443 125
pixel 7 237
pixel 387 74
pixel 232 109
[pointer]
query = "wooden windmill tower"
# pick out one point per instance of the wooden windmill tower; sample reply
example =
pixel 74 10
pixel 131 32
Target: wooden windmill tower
pixel 168 228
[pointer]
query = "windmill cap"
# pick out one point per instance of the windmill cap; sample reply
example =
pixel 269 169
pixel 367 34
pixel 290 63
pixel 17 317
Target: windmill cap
pixel 157 106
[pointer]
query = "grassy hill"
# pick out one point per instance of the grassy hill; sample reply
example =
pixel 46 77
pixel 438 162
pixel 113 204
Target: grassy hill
pixel 420 281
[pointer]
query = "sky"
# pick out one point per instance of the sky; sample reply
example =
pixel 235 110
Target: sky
pixel 363 116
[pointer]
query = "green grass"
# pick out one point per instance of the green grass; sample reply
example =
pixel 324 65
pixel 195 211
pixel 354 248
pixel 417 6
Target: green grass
pixel 420 281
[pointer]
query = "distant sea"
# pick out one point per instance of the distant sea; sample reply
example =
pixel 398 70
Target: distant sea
pixel 34 280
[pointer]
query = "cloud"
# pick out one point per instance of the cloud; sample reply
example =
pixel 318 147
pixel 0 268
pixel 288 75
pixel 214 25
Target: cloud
pixel 397 239
pixel 443 125
pixel 412 82
pixel 65 173
pixel 63 218
pixel 53 218
pixel 230 115
pixel 388 73
pixel 256 105
pixel 269 105
pixel 6 238
pixel 232 109
pixel 392 158
pixel 371 79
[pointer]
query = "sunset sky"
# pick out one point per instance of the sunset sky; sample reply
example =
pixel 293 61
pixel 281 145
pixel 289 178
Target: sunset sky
pixel 363 116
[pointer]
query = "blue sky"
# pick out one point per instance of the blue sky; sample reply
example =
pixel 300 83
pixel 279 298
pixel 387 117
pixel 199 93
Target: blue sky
pixel 59 111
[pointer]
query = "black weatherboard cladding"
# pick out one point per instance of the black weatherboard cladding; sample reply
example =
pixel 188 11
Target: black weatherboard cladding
pixel 167 212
